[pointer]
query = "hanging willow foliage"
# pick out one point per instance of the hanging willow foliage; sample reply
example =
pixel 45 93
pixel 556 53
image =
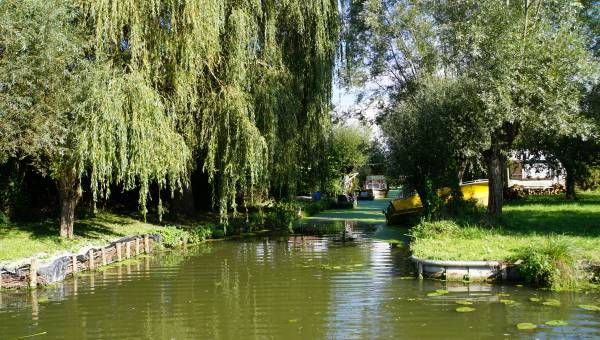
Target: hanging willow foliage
pixel 247 83
pixel 127 138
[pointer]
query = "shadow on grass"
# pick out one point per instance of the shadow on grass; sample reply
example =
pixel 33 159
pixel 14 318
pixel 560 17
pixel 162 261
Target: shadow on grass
pixel 89 227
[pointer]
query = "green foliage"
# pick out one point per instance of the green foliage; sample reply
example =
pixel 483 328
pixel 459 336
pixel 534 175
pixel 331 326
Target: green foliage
pixel 4 220
pixel 434 229
pixel 464 79
pixel 551 265
pixel 315 207
pixel 435 137
pixel 346 154
pixel 282 215
pixel 247 83
pixel 173 236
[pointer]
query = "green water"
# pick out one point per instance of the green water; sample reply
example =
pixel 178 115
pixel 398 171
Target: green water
pixel 286 287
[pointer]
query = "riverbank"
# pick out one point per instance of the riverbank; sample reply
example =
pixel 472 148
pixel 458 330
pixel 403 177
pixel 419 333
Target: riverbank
pixel 548 234
pixel 25 239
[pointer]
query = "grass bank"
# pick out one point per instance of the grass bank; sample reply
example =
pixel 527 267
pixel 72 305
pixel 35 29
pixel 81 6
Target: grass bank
pixel 534 225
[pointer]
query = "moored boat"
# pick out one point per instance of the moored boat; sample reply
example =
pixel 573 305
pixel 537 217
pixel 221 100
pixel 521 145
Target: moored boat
pixel 402 208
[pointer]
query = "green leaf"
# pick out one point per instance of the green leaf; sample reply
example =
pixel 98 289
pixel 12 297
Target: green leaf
pixel 590 307
pixel 465 309
pixel 551 302
pixel 557 323
pixel 526 325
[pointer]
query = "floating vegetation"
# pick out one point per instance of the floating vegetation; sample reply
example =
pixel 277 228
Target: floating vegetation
pixel 438 292
pixel 293 321
pixel 590 307
pixel 534 299
pixel 507 302
pixel 465 309
pixel 557 323
pixel 526 325
pixel 502 295
pixel 551 302
pixel 464 302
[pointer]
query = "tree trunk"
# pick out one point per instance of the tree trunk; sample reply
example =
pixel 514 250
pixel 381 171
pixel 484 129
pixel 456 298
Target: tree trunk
pixel 69 189
pixel 570 184
pixel 495 168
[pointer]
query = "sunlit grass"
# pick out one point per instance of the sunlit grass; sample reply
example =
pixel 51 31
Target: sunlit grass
pixel 20 240
pixel 532 221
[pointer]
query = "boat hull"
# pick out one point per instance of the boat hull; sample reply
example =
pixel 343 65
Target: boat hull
pixel 400 210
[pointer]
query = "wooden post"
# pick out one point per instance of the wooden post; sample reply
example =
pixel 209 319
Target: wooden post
pixel 128 249
pixel 74 264
pixel 137 246
pixel 33 266
pixel 420 270
pixel 118 245
pixel 103 254
pixel 91 259
pixel 146 244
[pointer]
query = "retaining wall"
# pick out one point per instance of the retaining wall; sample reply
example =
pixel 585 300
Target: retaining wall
pixel 57 269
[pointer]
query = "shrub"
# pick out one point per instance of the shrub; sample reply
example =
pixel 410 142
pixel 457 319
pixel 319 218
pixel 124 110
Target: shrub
pixel 282 215
pixel 549 265
pixel 434 229
pixel 200 233
pixel 172 236
pixel 315 207
pixel 3 218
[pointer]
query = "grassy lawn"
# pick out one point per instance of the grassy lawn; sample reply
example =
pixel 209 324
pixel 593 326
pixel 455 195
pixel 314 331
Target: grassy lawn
pixel 533 221
pixel 19 240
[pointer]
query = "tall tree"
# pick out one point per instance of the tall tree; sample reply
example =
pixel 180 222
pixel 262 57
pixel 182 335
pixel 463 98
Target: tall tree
pixel 248 82
pixel 72 114
pixel 529 57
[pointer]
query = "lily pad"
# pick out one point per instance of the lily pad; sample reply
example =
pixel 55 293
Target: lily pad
pixel 557 323
pixel 590 307
pixel 551 302
pixel 534 299
pixel 438 292
pixel 507 302
pixel 464 302
pixel 502 295
pixel 293 321
pixel 465 309
pixel 526 325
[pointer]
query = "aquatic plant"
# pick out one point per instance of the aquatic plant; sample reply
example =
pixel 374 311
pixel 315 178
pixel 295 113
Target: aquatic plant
pixel 465 309
pixel 556 323
pixel 550 264
pixel 526 326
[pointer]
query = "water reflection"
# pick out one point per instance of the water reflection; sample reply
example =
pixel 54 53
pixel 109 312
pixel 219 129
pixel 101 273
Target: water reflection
pixel 297 286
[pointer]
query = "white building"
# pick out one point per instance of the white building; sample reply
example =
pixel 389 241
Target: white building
pixel 533 171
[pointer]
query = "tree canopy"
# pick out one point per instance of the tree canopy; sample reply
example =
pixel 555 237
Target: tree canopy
pixel 132 93
pixel 530 64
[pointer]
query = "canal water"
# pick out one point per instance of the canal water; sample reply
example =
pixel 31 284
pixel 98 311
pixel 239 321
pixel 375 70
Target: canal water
pixel 339 286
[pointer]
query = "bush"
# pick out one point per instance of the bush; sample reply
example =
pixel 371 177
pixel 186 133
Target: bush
pixel 172 236
pixel 282 215
pixel 315 207
pixel 4 218
pixel 434 229
pixel 549 265
pixel 200 233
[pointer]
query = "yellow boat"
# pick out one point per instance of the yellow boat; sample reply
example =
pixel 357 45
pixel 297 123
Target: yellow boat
pixel 401 208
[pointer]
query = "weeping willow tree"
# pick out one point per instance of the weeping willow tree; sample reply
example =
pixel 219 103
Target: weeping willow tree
pixel 247 83
pixel 74 114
